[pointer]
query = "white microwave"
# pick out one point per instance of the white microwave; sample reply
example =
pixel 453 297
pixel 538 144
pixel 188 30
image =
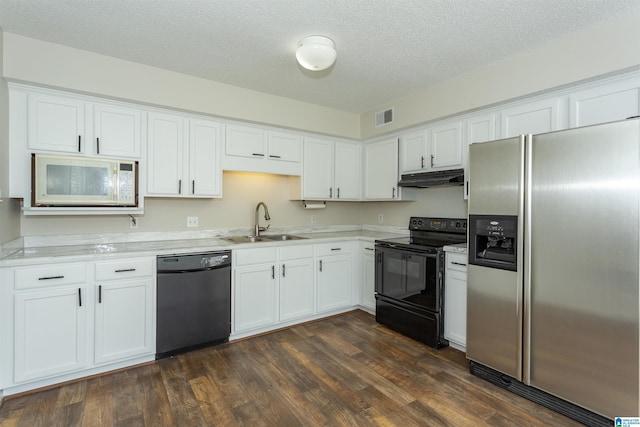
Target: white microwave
pixel 83 181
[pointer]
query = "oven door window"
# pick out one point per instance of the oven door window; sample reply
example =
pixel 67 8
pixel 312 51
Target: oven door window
pixel 408 276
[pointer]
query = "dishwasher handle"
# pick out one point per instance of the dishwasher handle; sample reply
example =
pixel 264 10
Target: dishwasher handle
pixel 193 262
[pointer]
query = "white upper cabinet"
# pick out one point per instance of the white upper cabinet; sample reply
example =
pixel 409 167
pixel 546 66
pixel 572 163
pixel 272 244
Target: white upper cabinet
pixel 437 147
pixel 183 157
pixel 331 171
pixel 116 131
pixel 55 123
pixel 534 117
pixel 604 104
pixel 286 147
pixel 69 125
pixel 253 149
pixel 381 170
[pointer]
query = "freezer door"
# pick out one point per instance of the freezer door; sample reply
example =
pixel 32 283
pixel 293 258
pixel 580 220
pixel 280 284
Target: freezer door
pixel 581 280
pixel 495 296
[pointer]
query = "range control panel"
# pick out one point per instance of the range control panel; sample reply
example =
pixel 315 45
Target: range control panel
pixel 451 225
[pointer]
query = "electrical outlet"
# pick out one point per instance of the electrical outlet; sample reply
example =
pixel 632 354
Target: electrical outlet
pixel 133 222
pixel 192 221
pixel 380 219
pixel 313 219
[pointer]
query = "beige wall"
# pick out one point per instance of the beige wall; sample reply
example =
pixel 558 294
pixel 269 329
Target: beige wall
pixel 605 49
pixel 58 66
pixel 9 209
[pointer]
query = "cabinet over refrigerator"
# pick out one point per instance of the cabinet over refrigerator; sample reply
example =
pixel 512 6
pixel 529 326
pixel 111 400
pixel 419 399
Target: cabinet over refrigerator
pixel 553 272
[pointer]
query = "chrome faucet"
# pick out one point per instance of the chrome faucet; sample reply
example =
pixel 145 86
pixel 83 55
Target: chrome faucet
pixel 257 228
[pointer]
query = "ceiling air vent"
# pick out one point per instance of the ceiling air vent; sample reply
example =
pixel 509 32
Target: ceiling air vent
pixel 384 117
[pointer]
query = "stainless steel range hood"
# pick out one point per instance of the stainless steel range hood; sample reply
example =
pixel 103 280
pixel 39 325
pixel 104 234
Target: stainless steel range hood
pixel 433 179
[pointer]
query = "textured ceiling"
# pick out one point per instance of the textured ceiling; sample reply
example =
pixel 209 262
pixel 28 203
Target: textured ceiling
pixel 387 49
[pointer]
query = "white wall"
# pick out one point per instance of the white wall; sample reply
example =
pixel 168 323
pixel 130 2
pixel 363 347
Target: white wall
pixel 9 209
pixel 58 66
pixel 608 48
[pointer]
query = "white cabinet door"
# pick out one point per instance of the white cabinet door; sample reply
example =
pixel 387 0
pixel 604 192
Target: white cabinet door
pixel 116 131
pixel 604 104
pixel 536 117
pixel 255 297
pixel 165 155
pixel 297 287
pixel 381 170
pixel 413 151
pixel 455 300
pixel 286 147
pixel 50 332
pixel 445 146
pixel 245 141
pixel 124 320
pixel 55 124
pixel 347 175
pixel 317 166
pixel 334 282
pixel 368 277
pixel 205 170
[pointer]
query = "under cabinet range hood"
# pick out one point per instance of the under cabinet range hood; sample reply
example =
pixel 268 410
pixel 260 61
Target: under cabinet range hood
pixel 433 179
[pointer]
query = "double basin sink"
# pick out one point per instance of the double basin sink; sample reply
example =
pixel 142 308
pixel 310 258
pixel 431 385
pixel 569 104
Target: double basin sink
pixel 263 238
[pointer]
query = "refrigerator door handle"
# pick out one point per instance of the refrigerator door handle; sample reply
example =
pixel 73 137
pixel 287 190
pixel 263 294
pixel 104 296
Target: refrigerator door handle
pixel 524 249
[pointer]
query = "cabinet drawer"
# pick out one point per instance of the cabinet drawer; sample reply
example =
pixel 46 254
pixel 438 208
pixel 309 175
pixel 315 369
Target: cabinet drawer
pixel 254 256
pixel 51 275
pixel 336 248
pixel 457 262
pixel 288 253
pixel 125 269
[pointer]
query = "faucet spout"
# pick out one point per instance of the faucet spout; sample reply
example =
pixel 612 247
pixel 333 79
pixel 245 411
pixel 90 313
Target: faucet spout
pixel 256 225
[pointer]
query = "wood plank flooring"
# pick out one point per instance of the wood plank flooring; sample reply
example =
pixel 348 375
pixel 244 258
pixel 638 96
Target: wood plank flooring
pixel 342 371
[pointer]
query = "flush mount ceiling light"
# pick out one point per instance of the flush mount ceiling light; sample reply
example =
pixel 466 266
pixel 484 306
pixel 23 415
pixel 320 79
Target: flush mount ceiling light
pixel 316 53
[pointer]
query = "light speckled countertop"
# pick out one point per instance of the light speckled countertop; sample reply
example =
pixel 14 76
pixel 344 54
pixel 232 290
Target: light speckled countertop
pixel 460 248
pixel 204 242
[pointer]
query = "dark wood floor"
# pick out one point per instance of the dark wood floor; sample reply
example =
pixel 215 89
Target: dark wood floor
pixel 342 371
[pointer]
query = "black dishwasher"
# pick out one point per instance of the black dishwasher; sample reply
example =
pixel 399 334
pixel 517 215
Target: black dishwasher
pixel 193 302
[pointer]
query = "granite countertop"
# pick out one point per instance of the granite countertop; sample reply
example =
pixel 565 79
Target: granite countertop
pixel 79 249
pixel 460 248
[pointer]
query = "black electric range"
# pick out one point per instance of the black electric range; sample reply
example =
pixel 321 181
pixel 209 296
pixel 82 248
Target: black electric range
pixel 410 278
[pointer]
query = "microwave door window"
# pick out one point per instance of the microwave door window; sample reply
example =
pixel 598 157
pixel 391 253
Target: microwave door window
pixel 78 180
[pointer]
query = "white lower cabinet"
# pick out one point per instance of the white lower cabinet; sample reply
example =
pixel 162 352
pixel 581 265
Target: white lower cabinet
pixel 124 315
pixel 297 282
pixel 334 277
pixel 455 300
pixel 50 332
pixel 368 276
pixel 55 336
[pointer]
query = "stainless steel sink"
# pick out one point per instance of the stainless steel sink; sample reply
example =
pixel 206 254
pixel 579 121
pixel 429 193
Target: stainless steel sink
pixel 264 238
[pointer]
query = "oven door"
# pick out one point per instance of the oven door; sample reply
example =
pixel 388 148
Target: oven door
pixel 409 275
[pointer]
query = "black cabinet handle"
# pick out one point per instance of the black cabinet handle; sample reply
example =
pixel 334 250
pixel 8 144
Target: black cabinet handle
pixel 274 157
pixel 80 297
pixel 338 193
pixel 422 163
pixel 257 154
pixel 79 143
pixel 321 266
pixel 458 263
pixel 393 193
pixel 50 277
pixel 432 157
pixel 330 192
pixel 100 294
pixel 193 187
pixel 283 270
pixel 179 186
pixel 125 270
pixel 368 249
pixel 273 271
pixel 336 249
pixel 97 145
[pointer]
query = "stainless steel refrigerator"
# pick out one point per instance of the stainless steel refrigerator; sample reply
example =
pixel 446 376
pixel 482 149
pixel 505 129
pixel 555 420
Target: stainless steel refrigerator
pixel 553 277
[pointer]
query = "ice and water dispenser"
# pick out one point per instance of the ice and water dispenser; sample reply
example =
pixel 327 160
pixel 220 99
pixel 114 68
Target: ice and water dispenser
pixel 493 240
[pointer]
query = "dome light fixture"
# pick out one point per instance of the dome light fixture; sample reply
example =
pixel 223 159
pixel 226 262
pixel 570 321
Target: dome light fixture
pixel 316 53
